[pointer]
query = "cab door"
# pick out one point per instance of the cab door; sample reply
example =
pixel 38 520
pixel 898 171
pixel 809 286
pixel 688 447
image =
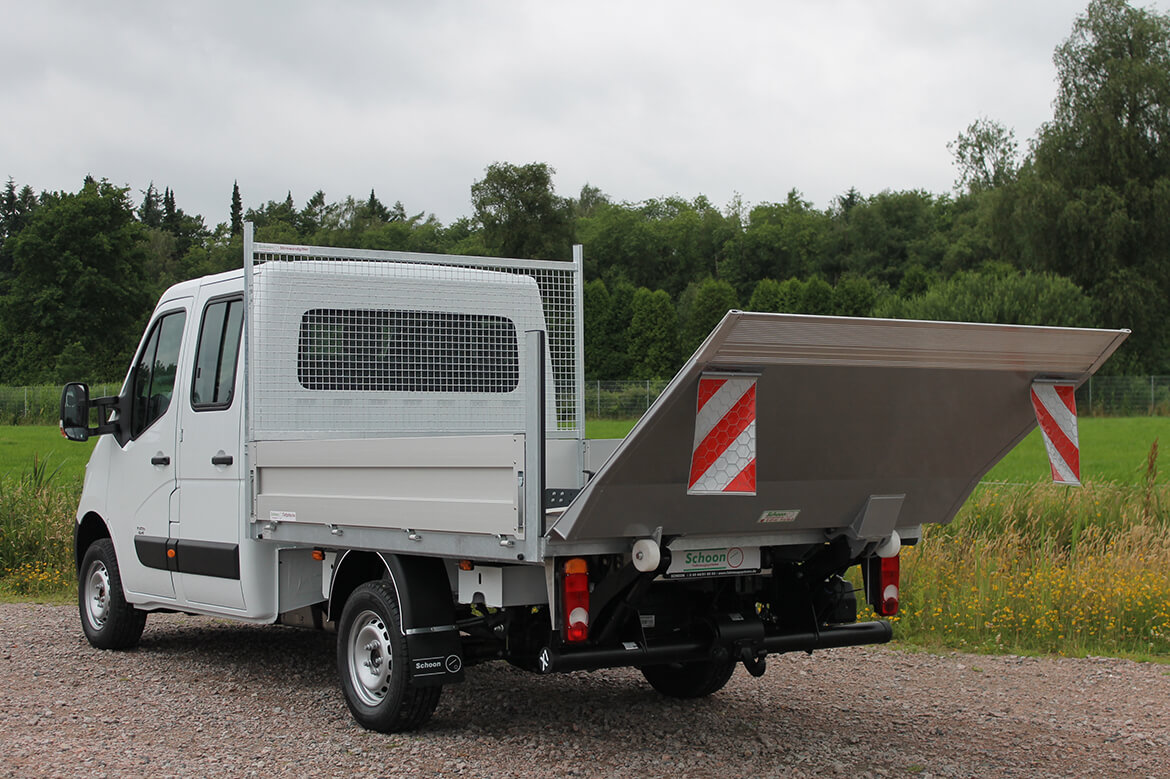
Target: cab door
pixel 142 470
pixel 206 530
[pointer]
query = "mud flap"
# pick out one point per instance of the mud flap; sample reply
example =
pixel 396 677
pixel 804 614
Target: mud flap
pixel 428 619
pixel 435 658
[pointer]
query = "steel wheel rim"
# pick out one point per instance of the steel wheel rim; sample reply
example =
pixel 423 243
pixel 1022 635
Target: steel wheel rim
pixel 370 658
pixel 97 595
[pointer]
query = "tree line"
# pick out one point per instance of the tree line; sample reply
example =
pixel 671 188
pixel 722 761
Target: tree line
pixel 1072 231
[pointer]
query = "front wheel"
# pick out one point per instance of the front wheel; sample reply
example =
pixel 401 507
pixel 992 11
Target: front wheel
pixel 109 622
pixel 696 679
pixel 373 663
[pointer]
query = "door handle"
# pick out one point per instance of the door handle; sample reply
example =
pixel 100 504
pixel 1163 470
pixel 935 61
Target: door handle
pixel 160 459
pixel 222 459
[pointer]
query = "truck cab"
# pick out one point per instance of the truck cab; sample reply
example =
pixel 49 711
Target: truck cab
pixel 166 485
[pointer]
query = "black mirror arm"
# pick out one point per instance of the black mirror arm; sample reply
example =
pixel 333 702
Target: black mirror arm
pixel 105 409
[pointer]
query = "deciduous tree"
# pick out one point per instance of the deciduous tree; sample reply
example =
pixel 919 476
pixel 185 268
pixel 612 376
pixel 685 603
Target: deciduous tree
pixel 986 154
pixel 77 279
pixel 521 214
pixel 1094 203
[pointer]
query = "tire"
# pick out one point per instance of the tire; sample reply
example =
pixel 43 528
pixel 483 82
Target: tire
pixel 696 679
pixel 373 663
pixel 108 621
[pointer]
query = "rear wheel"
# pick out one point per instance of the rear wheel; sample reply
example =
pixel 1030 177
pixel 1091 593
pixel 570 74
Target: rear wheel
pixel 109 622
pixel 373 663
pixel 696 679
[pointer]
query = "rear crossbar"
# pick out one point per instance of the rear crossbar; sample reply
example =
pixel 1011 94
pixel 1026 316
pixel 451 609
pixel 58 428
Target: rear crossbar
pixel 553 660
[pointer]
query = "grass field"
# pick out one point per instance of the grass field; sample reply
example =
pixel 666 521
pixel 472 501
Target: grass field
pixel 1113 449
pixel 608 428
pixel 19 444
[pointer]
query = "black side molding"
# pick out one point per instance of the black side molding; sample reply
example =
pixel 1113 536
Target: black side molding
pixel 152 552
pixel 202 558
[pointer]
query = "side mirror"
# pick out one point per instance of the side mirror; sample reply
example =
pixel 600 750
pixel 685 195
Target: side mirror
pixel 75 412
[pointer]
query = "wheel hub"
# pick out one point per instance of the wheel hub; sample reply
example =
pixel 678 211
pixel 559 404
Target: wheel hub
pixel 97 595
pixel 370 658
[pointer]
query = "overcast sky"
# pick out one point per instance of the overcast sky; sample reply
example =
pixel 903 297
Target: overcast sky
pixel 414 100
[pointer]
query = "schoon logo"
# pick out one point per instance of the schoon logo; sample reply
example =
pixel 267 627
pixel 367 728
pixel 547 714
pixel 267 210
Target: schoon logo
pixel 714 558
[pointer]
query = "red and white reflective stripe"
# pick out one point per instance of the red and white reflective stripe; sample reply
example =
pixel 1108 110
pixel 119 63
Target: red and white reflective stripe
pixel 723 458
pixel 1056 413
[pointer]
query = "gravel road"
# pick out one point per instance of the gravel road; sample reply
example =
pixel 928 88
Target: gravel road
pixel 206 697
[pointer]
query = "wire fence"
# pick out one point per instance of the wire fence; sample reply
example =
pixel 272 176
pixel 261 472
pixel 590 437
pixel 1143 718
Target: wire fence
pixel 1125 396
pixel 1105 396
pixel 40 404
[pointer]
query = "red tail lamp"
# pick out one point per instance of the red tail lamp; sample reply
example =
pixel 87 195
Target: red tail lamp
pixel 885 601
pixel 576 600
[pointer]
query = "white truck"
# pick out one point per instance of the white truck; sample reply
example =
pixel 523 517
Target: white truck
pixel 392 446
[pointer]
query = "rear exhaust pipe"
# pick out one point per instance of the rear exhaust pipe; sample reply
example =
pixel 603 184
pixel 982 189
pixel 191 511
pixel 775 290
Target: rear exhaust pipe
pixel 555 660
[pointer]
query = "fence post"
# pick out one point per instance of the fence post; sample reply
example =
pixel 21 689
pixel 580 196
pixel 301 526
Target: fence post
pixel 1151 396
pixel 26 402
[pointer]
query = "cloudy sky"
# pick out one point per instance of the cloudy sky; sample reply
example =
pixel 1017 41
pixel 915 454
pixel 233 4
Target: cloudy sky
pixel 414 100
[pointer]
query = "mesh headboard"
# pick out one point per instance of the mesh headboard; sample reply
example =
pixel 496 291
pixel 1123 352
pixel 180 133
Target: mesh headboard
pixel 355 343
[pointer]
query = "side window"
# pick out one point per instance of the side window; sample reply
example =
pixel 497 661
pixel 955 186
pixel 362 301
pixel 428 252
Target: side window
pixel 154 373
pixel 407 351
pixel 217 354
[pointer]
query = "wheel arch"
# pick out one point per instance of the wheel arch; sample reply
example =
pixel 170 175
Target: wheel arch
pixel 352 569
pixel 421 584
pixel 88 529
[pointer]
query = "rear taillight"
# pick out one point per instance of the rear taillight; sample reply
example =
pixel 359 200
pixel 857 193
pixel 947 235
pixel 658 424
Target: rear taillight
pixel 576 600
pixel 883 585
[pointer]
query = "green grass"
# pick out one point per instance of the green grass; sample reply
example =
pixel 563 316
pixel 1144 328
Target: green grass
pixel 19 444
pixel 37 511
pixel 1113 449
pixel 608 428
pixel 60 596
pixel 1042 568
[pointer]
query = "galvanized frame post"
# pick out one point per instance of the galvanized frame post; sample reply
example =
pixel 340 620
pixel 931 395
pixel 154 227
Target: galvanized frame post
pixel 579 369
pixel 534 441
pixel 249 431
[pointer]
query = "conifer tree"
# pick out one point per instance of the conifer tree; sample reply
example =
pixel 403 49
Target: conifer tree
pixel 7 208
pixel 170 220
pixel 237 213
pixel 375 210
pixel 150 213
